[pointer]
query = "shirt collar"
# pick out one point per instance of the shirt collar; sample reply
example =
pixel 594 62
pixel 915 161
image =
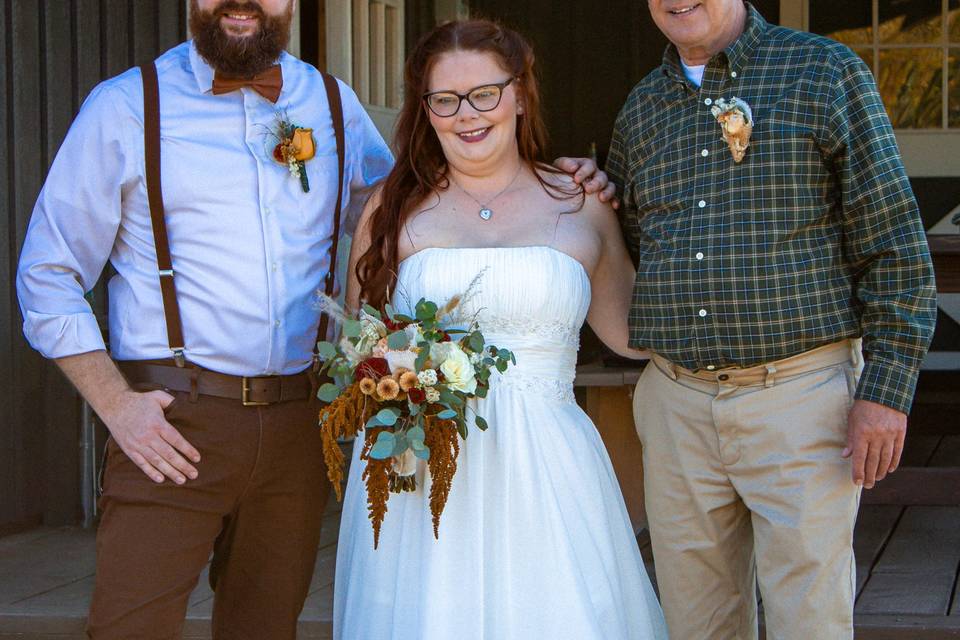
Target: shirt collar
pixel 203 72
pixel 737 54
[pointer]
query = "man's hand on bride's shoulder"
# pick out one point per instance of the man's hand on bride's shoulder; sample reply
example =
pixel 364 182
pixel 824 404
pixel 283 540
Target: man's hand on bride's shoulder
pixel 586 172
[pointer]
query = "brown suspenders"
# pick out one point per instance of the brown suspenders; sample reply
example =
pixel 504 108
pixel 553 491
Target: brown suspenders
pixel 151 135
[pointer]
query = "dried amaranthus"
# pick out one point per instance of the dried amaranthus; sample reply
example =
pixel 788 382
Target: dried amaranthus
pixel 441 437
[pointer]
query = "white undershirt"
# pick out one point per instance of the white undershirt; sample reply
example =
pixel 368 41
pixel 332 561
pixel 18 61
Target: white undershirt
pixel 694 74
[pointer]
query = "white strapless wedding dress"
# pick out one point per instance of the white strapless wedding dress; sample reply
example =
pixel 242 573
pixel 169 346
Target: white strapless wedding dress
pixel 535 542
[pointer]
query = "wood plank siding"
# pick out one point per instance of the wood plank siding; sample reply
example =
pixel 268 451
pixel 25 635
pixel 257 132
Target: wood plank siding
pixel 53 53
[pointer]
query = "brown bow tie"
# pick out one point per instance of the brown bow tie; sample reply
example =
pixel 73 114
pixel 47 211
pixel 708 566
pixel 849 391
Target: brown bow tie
pixel 268 84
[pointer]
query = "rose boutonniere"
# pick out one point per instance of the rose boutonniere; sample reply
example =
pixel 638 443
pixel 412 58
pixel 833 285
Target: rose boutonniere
pixel 295 146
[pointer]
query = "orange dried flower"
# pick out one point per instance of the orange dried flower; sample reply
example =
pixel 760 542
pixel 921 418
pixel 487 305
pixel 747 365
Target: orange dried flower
pixel 408 380
pixel 368 386
pixel 388 389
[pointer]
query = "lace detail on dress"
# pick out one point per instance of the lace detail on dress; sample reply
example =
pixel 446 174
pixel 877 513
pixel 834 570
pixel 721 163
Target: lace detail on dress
pixel 543 388
pixel 542 328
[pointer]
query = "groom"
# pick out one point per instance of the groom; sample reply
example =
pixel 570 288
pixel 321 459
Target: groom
pixel 773 225
pixel 222 455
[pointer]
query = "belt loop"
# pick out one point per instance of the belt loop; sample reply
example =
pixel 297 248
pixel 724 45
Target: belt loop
pixel 770 379
pixel 314 378
pixel 854 352
pixel 194 392
pixel 672 369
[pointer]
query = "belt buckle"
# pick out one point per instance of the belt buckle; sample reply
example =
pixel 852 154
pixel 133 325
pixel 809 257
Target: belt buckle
pixel 245 393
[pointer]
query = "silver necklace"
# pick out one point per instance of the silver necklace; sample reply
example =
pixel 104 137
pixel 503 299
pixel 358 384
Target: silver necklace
pixel 486 212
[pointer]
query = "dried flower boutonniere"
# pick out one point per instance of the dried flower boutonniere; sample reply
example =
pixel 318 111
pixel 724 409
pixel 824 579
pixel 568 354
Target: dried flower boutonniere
pixel 294 148
pixel 736 121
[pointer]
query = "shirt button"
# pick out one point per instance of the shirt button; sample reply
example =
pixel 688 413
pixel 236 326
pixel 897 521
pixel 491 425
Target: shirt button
pixel 702 204
pixel 711 367
pixel 733 74
pixel 708 102
pixel 705 153
pixel 277 323
pixel 703 313
pixel 723 377
pixel 267 210
pixel 274 266
pixel 699 255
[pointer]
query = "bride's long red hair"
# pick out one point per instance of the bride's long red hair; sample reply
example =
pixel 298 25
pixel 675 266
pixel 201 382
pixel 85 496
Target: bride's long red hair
pixel 421 167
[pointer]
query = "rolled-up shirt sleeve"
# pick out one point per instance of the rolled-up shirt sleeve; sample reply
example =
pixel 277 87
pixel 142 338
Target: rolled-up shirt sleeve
pixel 72 230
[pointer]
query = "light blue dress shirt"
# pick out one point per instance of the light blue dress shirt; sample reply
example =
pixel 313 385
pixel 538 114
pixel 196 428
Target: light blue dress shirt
pixel 250 248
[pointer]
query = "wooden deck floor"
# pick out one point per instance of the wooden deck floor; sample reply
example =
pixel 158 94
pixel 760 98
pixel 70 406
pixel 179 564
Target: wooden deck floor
pixel 907 563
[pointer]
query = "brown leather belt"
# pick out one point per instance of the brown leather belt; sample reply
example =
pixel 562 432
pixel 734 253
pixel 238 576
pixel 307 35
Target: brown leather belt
pixel 254 391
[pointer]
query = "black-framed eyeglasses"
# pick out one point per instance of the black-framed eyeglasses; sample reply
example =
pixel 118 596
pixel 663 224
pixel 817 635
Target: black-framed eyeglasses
pixel 486 97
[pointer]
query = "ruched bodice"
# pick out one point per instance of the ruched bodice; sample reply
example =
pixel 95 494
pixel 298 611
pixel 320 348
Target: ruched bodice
pixel 532 300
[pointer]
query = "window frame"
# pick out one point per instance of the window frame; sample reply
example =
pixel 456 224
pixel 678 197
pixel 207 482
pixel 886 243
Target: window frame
pixel 926 152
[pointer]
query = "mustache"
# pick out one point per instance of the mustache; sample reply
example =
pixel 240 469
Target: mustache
pixel 234 6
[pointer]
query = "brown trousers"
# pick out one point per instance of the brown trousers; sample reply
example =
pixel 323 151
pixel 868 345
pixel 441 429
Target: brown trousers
pixel 256 507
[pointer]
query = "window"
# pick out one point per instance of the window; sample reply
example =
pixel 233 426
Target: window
pixel 913 49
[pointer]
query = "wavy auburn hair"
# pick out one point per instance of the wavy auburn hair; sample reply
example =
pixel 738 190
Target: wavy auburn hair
pixel 421 168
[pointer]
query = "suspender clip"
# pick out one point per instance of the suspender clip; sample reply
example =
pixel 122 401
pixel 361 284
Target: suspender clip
pixel 178 358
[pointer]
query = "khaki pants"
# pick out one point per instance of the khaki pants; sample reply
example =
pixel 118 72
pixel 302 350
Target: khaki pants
pixel 744 483
pixel 256 506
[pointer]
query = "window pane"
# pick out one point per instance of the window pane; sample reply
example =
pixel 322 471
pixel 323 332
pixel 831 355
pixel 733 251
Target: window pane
pixel 953 79
pixel 910 83
pixel 849 22
pixel 911 21
pixel 954 21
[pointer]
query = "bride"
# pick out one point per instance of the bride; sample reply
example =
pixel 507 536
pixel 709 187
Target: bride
pixel 535 541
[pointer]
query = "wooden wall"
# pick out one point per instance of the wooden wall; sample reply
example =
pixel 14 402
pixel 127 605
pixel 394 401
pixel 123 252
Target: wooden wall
pixel 53 53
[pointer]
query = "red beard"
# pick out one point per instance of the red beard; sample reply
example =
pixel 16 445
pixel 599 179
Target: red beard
pixel 241 57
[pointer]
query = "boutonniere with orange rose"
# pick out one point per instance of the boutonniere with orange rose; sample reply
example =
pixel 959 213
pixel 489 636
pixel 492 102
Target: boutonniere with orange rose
pixel 405 381
pixel 295 146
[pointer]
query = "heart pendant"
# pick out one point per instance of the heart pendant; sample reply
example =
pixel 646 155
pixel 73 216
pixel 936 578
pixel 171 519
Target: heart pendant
pixel 486 213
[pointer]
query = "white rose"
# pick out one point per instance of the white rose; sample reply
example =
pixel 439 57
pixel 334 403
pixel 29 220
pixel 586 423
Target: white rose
pixel 459 372
pixel 401 360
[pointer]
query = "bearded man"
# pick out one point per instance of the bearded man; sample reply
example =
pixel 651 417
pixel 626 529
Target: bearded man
pixel 213 447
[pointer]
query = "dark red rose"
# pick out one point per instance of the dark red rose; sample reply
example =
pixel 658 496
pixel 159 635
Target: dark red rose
pixel 416 396
pixel 278 153
pixel 393 325
pixel 374 368
pixel 445 337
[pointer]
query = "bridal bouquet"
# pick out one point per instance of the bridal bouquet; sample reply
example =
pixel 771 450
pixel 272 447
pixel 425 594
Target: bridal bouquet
pixel 405 382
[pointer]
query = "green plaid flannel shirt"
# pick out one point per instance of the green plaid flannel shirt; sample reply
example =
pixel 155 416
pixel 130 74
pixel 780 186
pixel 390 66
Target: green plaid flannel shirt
pixel 814 237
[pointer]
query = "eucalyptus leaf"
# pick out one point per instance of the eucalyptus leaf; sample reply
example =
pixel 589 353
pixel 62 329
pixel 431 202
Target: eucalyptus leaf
pixel 373 312
pixel 328 392
pixel 400 444
pixel 351 328
pixel 326 350
pixel 481 423
pixel 388 417
pixel 417 445
pixel 391 313
pixel 501 365
pixel 398 340
pixel 423 454
pixel 450 397
pixel 481 392
pixel 414 408
pixel 401 317
pixel 383 447
pixel 447 414
pixel 416 433
pixel 477 341
pixel 426 310
pixel 421 361
pixel 462 429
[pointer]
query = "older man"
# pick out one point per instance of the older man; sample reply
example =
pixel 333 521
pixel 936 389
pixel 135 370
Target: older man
pixel 774 227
